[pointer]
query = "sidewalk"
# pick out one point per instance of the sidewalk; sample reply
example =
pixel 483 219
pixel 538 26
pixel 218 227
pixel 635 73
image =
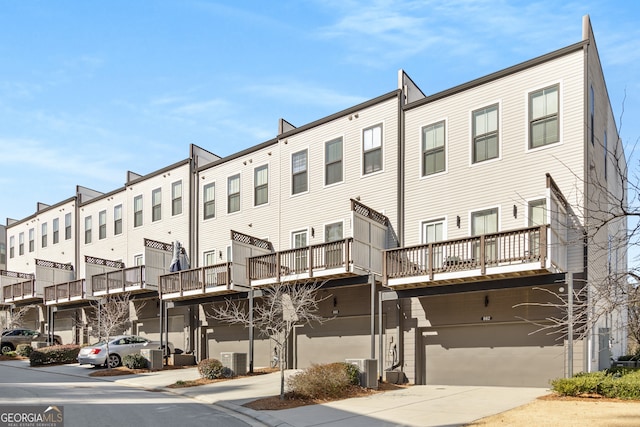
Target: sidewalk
pixel 413 406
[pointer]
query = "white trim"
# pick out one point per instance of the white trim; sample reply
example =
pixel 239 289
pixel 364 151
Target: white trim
pixel 201 199
pixel 382 148
pixel 498 207
pixel 239 175
pixel 528 92
pixel 253 185
pixel 324 161
pixel 500 131
pixel 290 180
pixel 446 149
pixel 443 219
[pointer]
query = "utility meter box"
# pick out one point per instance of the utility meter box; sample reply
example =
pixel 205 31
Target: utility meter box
pixel 153 356
pixel 368 371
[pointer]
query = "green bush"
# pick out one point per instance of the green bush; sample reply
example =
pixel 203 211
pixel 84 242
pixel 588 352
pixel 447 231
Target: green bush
pixel 135 361
pixel 10 353
pixel 332 380
pixel 24 350
pixel 614 383
pixel 56 354
pixel 212 369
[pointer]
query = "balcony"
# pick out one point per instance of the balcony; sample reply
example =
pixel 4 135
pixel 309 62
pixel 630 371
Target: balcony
pixel 21 292
pixel 324 261
pixel 62 293
pixel 516 253
pixel 197 282
pixel 130 279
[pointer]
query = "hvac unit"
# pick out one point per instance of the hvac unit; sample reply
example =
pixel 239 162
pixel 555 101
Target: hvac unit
pixel 237 362
pixel 368 371
pixel 154 357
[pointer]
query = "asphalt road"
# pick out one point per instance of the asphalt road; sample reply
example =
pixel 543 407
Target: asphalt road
pixel 94 402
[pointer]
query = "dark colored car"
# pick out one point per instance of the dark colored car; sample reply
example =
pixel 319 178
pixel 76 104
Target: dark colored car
pixel 11 338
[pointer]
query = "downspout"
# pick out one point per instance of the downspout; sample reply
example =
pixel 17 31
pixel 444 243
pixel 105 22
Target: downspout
pixel 401 135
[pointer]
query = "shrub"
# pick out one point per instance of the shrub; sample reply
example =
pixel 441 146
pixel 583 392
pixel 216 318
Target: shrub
pixel 56 354
pixel 24 350
pixel 332 380
pixel 135 361
pixel 614 383
pixel 212 369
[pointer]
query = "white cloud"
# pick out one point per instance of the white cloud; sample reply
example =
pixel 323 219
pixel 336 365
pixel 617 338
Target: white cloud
pixel 299 93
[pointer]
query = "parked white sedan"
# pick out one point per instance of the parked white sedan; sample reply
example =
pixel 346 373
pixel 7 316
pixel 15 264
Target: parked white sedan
pixel 119 347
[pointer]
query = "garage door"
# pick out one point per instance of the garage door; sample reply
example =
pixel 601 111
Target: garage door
pixel 495 355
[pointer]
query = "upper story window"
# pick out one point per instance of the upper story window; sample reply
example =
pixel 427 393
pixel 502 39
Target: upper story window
pixel 233 194
pixel 209 257
pixel 484 222
pixel 32 239
pixel 209 199
pixel 176 198
pixel 433 231
pixel 87 229
pixel 67 226
pixel 261 185
pixel 137 211
pixel 333 161
pixel 156 205
pixel 56 230
pixel 485 134
pixel 544 105
pixel 117 220
pixel 21 244
pixel 3 254
pixel 372 149
pixel 433 148
pixel 138 260
pixel 43 235
pixel 102 225
pixel 537 212
pixel 12 244
pixel 299 172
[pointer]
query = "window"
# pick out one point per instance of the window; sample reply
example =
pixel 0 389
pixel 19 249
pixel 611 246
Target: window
pixel 56 230
pixel 156 205
pixel 67 226
pixel 12 244
pixel 117 220
pixel 3 254
pixel 137 211
pixel 138 260
pixel 485 222
pixel 233 194
pixel 372 149
pixel 433 154
pixel 43 233
pixel 543 117
pixel 32 239
pixel 333 253
pixel 592 113
pixel 537 216
pixel 299 241
pixel 209 197
pixel 261 185
pixel 210 273
pixel 176 198
pixel 209 258
pixel 87 229
pixel 485 134
pixel 333 162
pixel 102 225
pixel 21 244
pixel 433 231
pixel 299 172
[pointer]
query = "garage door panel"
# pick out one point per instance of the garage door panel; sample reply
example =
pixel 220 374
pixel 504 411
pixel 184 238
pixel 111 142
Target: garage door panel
pixel 500 355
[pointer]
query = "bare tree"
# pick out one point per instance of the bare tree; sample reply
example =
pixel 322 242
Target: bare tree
pixel 14 317
pixel 282 306
pixel 110 317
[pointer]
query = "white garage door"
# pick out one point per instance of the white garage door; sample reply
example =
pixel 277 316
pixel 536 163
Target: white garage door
pixel 496 355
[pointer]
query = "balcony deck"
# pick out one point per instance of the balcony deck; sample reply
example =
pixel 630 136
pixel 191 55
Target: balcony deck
pixel 130 280
pixel 516 253
pixel 198 282
pixel 21 292
pixel 331 260
pixel 65 293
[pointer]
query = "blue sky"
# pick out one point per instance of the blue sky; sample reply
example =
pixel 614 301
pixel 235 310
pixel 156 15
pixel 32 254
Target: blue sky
pixel 90 90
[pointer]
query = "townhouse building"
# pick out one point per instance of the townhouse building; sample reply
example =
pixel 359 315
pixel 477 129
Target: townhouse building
pixel 442 228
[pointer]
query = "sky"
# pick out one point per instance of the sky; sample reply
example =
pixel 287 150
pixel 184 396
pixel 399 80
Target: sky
pixel 91 90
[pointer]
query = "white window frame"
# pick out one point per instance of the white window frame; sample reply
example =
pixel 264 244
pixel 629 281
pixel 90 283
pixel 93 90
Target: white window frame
pixel 439 220
pixel 141 211
pixel 210 202
pixel 527 94
pixel 335 162
pixel 236 195
pixel 306 172
pixel 422 150
pixel 176 200
pixel 485 106
pixel 138 260
pixel 88 229
pixel 327 224
pixel 156 205
pixel 496 207
pixel 102 224
pixel 56 230
pixel 44 235
pixel 68 229
pixel 32 239
pixel 12 246
pixel 364 151
pixel 257 187
pixel 117 219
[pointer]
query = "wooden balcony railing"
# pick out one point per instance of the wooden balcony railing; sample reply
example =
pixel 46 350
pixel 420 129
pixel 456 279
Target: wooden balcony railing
pixel 64 291
pixel 20 290
pixel 118 279
pixel 196 279
pixel 308 260
pixel 471 253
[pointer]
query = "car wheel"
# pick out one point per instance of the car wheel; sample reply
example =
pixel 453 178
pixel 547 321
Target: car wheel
pixel 113 361
pixel 6 348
